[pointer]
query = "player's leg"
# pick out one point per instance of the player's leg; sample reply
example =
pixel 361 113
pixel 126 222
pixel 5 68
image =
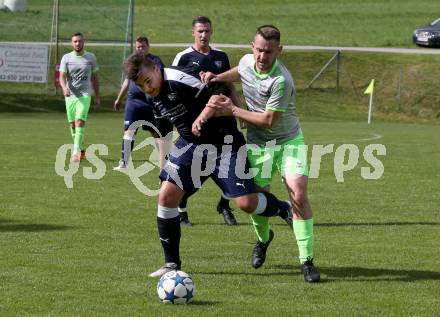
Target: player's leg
pixel 82 106
pixel 70 111
pixel 294 170
pixel 168 226
pixel 128 136
pixel 225 210
pixel 183 212
pixel 242 190
pixel 264 162
pixel 176 180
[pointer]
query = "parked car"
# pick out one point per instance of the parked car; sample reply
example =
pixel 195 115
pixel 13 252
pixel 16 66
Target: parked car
pixel 428 35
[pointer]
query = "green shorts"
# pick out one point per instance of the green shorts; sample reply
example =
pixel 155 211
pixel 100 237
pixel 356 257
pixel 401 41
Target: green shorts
pixel 78 108
pixel 289 158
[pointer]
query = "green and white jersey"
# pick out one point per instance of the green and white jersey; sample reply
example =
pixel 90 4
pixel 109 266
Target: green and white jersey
pixel 275 91
pixel 79 71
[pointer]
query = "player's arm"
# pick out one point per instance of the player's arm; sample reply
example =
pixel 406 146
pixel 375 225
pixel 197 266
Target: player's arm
pixel 95 83
pixel 267 119
pixel 229 76
pixel 206 113
pixel 122 93
pixel 63 84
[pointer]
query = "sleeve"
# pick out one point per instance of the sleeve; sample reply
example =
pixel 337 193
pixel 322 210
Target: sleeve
pixel 227 65
pixel 242 64
pixel 177 60
pixel 63 64
pixel 277 99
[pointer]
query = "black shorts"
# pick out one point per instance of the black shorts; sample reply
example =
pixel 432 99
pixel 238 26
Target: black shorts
pixel 190 165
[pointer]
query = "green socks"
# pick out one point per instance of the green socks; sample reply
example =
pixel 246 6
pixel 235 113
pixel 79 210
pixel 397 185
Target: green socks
pixel 261 227
pixel 72 132
pixel 303 230
pixel 78 141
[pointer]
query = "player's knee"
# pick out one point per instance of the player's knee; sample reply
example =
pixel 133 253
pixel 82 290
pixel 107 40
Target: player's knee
pixel 79 123
pixel 246 203
pixel 170 195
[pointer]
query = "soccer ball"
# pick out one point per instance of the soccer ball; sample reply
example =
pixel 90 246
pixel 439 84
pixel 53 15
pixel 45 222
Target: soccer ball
pixel 176 287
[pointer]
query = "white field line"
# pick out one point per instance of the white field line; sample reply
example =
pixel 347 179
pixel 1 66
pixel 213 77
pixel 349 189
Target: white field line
pixel 373 136
pixel 423 51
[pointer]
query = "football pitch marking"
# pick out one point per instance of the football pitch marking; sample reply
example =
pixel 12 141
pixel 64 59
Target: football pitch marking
pixel 374 136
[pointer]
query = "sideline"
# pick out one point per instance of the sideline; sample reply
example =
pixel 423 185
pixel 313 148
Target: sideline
pixel 392 50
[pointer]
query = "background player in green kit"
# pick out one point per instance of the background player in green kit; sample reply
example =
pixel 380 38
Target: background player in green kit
pixel 78 75
pixel 274 137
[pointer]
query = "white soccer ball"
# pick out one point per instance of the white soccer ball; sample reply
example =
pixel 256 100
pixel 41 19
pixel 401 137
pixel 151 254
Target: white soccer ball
pixel 176 287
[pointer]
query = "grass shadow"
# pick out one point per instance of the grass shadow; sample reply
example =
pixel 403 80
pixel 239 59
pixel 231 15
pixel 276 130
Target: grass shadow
pixel 339 274
pixel 9 225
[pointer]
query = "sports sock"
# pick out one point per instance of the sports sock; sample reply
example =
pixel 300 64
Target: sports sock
pixel 79 140
pixel 223 202
pixel 72 132
pixel 125 153
pixel 168 225
pixel 304 238
pixel 261 227
pixel 272 207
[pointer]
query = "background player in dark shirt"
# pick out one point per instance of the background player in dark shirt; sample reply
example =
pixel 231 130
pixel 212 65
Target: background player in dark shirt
pixel 179 97
pixel 140 107
pixel 203 57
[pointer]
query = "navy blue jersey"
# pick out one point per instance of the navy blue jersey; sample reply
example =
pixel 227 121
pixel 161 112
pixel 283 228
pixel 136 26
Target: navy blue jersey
pixel 134 94
pixel 215 61
pixel 183 97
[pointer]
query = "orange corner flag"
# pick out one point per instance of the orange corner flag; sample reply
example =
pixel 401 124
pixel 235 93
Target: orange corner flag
pixel 370 88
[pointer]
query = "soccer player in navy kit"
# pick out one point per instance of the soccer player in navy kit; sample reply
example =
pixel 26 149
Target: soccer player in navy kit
pixel 139 107
pixel 179 96
pixel 203 57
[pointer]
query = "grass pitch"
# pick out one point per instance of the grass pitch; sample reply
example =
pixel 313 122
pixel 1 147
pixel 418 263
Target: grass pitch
pixel 87 251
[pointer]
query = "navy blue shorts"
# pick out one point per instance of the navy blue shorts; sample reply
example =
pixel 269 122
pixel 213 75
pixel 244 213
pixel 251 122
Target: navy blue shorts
pixel 190 165
pixel 137 110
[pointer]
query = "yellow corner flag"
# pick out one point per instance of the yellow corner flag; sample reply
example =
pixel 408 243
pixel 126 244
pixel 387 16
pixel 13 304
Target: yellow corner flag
pixel 370 88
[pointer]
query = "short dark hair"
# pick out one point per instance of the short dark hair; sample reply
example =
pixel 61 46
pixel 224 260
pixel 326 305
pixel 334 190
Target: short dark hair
pixel 269 32
pixel 201 19
pixel 133 63
pixel 143 39
pixel 77 34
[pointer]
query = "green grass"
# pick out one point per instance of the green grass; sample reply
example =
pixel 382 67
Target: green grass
pixel 87 251
pixel 318 22
pixel 406 88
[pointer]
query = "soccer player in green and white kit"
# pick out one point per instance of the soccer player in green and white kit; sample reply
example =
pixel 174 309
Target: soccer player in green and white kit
pixel 78 75
pixel 274 137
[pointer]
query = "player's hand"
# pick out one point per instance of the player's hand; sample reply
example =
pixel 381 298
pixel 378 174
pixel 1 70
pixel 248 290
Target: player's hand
pixel 243 124
pixel 117 105
pixel 221 103
pixel 207 77
pixel 197 126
